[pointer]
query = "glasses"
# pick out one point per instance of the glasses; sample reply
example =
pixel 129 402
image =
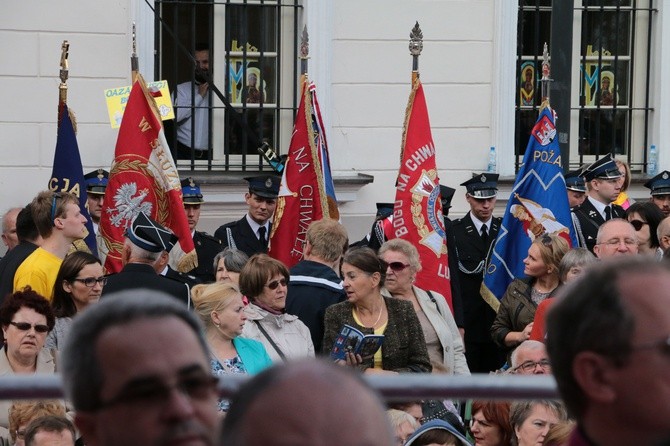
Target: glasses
pixel 547 241
pixel 275 283
pixel 20 434
pixel 25 326
pixel 638 224
pixel 529 366
pixel 662 345
pixel 91 281
pixel 54 203
pixel 397 266
pixel 629 242
pixel 156 394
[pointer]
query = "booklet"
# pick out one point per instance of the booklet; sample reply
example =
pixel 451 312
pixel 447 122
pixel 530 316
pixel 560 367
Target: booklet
pixel 353 340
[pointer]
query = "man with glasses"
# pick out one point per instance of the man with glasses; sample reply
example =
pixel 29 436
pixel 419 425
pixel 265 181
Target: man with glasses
pixel 608 340
pixel 616 237
pixel 144 243
pixel 530 358
pixel 59 221
pixel 603 182
pixel 474 234
pixel 136 368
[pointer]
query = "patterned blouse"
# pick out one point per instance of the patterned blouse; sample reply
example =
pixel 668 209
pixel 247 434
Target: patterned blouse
pixel 227 367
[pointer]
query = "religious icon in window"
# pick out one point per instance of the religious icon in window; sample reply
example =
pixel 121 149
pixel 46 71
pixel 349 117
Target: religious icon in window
pixel 527 81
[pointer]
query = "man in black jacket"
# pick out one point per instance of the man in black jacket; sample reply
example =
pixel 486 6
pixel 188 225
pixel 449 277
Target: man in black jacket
pixel 29 239
pixel 145 240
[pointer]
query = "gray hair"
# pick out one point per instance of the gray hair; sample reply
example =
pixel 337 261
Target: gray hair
pixel 404 247
pixel 602 227
pixel 520 411
pixel 528 344
pixel 233 259
pixel 139 253
pixel 82 376
pixel 574 258
pixel 5 216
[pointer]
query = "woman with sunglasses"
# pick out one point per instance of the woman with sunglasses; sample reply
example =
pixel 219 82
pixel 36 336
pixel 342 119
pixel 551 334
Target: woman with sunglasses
pixel 79 284
pixel 443 340
pixel 514 321
pixel 645 217
pixel 264 281
pixel 26 318
pixel 404 348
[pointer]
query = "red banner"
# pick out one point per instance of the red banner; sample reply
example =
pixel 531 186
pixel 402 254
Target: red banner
pixel 302 197
pixel 417 213
pixel 143 178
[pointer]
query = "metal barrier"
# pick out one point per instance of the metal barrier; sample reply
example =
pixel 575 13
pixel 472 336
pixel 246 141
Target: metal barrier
pixel 402 387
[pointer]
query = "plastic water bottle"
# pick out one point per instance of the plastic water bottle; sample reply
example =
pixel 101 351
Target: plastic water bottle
pixel 652 165
pixel 493 164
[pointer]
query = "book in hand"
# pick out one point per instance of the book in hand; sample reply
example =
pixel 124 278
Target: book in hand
pixel 354 341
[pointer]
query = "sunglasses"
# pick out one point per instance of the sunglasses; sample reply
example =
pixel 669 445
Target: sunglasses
pixel 25 326
pixel 638 224
pixel 275 283
pixel 91 281
pixel 397 266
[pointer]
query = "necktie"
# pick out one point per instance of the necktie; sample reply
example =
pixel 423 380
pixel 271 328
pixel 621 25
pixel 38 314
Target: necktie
pixel 261 236
pixel 484 234
pixel 608 213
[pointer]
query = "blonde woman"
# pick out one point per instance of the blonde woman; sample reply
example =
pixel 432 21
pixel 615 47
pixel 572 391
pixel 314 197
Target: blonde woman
pixel 220 308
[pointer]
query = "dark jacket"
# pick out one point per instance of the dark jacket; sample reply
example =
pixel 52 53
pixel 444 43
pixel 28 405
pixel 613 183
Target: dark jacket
pixel 206 247
pixel 404 347
pixel 587 220
pixel 312 288
pixel 10 263
pixel 243 238
pixel 139 275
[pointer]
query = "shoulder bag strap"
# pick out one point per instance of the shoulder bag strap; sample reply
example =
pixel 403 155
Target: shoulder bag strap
pixel 272 343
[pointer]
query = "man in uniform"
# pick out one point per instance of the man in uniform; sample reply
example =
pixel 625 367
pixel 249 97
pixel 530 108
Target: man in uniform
pixel 251 233
pixel 145 240
pixel 474 235
pixel 660 191
pixel 206 246
pixel 576 188
pixel 96 184
pixel 446 195
pixel 602 180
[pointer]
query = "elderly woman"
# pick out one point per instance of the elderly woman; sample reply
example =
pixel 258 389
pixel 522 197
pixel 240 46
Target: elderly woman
pixel 572 265
pixel 26 319
pixel 79 284
pixel 531 420
pixel 645 218
pixel 490 425
pixel 263 280
pixel 443 340
pixel 404 347
pixel 228 264
pixel 220 308
pixel 514 320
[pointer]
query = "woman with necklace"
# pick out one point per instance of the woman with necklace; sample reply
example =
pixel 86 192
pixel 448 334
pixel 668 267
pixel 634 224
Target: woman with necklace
pixel 514 321
pixel 404 347
pixel 220 308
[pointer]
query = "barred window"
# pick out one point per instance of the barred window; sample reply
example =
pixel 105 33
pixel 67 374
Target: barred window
pixel 610 111
pixel 252 61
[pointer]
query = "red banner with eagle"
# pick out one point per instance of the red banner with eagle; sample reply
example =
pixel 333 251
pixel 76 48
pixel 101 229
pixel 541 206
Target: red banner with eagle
pixel 143 178
pixel 417 211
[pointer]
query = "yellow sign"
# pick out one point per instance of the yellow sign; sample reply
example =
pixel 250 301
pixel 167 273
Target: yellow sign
pixel 117 98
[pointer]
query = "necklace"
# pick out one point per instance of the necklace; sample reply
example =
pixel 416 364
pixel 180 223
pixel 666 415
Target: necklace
pixel 379 316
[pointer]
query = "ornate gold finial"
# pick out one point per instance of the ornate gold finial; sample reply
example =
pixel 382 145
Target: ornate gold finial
pixel 304 44
pixel 65 48
pixel 415 41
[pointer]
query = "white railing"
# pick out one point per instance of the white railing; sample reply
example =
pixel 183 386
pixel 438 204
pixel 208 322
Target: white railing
pixel 402 387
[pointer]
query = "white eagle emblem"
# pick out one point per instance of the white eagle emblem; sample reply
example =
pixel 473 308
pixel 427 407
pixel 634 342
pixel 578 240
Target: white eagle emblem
pixel 128 203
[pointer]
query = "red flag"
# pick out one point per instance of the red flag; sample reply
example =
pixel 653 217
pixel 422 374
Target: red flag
pixel 417 213
pixel 302 196
pixel 143 178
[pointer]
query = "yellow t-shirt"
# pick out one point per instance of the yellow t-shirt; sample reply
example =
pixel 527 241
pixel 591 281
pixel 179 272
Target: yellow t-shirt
pixel 378 331
pixel 39 270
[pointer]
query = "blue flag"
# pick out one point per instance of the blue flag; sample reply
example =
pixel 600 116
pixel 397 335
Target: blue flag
pixel 68 174
pixel 538 205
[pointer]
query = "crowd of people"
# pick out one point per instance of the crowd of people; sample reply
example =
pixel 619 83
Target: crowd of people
pixel 125 341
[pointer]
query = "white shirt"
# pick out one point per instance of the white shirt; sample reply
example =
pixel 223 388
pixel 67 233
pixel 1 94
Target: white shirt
pixel 600 207
pixel 183 116
pixel 255 226
pixel 478 224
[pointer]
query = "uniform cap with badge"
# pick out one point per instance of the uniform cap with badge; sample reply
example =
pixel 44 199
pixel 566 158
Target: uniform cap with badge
pixel 603 169
pixel 383 210
pixel 150 235
pixel 482 186
pixel 446 195
pixel 190 191
pixel 96 181
pixel 574 181
pixel 660 184
pixel 265 186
